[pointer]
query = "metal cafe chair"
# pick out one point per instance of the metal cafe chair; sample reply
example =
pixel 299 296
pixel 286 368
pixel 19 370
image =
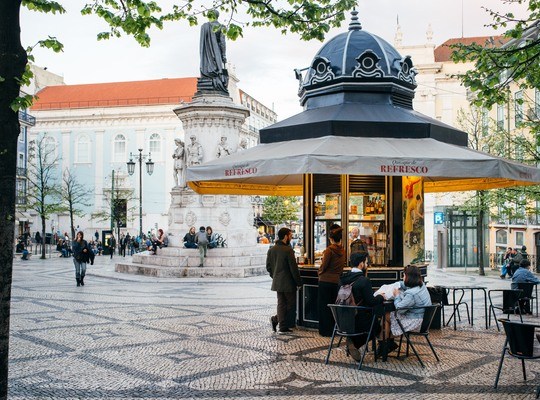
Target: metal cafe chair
pixel 510 304
pixel 527 297
pixel 519 343
pixel 455 306
pixel 429 314
pixel 345 317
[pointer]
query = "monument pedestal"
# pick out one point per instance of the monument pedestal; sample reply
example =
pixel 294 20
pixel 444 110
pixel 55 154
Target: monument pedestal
pixel 207 119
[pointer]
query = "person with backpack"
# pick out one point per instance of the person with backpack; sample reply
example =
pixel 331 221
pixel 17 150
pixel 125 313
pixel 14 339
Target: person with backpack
pixel 201 239
pixel 332 264
pixel 359 286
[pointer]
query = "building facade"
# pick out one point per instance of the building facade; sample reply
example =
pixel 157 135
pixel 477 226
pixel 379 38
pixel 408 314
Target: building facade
pixel 441 95
pixel 96 129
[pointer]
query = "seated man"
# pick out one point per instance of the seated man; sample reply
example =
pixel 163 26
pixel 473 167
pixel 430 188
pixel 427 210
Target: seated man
pixel 524 275
pixel 189 239
pixel 363 295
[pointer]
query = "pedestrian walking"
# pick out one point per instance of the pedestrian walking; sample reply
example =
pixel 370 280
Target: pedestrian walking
pixel 111 244
pixel 80 257
pixel 201 239
pixel 282 267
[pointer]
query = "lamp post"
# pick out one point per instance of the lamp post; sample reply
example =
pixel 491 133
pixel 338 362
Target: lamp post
pixel 149 169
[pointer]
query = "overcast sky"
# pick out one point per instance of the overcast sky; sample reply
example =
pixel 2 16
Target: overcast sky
pixel 264 59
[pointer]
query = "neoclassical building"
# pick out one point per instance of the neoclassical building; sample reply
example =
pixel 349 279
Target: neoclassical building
pixel 94 128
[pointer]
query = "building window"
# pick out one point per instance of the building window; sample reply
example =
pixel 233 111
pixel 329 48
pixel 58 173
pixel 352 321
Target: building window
pixel 154 146
pixel 485 122
pixel 536 104
pixel 519 238
pixel 518 107
pixel 501 236
pixel 22 134
pixel 500 116
pixel 83 149
pixel 20 161
pixel 48 148
pixel 119 148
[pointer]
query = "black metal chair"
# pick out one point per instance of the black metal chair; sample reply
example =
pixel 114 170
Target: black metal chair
pixel 455 307
pixel 510 304
pixel 346 326
pixel 519 343
pixel 429 314
pixel 527 299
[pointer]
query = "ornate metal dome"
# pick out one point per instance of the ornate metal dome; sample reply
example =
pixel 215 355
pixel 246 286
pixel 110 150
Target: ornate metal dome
pixel 355 61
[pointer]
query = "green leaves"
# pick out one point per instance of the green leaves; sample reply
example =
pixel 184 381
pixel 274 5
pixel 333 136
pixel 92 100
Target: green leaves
pixel 44 6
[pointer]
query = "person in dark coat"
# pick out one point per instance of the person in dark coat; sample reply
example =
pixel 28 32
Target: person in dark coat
pixel 80 257
pixel 282 267
pixel 363 296
pixel 329 273
pixel 189 239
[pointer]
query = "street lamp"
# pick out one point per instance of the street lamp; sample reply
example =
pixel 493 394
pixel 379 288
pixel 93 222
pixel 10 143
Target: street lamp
pixel 149 169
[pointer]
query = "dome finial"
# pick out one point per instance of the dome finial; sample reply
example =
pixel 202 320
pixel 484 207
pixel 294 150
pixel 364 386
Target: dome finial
pixel 355 25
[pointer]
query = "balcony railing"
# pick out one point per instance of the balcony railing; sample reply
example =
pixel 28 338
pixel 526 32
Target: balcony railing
pixel 25 117
pixel 20 200
pixel 21 171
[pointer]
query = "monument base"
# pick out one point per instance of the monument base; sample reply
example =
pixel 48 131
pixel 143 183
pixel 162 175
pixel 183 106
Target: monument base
pixel 176 262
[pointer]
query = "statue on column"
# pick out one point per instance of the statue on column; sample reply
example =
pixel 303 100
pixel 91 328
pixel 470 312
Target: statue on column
pixel 194 152
pixel 223 148
pixel 179 157
pixel 214 75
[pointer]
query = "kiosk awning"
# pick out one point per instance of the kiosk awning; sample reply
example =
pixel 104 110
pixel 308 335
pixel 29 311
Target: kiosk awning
pixel 277 168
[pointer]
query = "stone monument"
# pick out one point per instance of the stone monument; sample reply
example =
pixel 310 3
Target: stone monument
pixel 212 124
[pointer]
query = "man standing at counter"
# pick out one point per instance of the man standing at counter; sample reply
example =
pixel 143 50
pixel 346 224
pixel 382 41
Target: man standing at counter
pixel 282 267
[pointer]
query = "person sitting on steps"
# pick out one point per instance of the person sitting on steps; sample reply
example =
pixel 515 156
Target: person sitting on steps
pixel 189 239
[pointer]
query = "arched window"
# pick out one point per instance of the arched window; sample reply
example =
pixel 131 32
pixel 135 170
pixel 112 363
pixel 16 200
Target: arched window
pixel 48 149
pixel 501 236
pixel 119 148
pixel 83 149
pixel 154 146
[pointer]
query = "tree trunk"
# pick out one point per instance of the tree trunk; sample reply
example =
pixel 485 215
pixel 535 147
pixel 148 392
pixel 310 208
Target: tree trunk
pixel 71 221
pixel 43 248
pixel 12 63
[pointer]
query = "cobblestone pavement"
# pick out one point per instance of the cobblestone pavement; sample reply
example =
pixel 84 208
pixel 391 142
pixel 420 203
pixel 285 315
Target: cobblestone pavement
pixel 131 337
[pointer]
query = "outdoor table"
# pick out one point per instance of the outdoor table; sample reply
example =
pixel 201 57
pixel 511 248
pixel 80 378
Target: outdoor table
pixel 472 289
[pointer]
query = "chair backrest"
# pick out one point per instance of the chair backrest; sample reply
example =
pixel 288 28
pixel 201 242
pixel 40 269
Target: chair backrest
pixel 345 317
pixel 429 314
pixel 526 287
pixel 510 299
pixel 520 337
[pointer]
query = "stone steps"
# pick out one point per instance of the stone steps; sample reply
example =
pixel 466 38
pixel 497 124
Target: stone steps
pixel 176 262
pixel 189 272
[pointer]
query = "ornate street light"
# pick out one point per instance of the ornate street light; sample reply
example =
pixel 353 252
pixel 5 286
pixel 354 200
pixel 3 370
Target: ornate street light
pixel 149 169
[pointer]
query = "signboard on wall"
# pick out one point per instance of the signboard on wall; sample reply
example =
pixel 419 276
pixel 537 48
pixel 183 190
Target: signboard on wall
pixel 438 217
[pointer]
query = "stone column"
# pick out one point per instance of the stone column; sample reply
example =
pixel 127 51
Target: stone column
pixel 210 117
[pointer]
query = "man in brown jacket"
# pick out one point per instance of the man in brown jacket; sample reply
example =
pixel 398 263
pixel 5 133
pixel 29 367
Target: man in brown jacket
pixel 281 264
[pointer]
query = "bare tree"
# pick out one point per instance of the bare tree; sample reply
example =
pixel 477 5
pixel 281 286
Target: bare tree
pixel 43 187
pixel 73 197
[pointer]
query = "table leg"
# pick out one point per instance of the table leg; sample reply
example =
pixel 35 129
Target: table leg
pixel 485 307
pixel 455 308
pixel 472 307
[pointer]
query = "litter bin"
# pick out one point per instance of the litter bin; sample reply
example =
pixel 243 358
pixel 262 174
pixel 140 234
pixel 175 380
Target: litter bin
pixel 436 293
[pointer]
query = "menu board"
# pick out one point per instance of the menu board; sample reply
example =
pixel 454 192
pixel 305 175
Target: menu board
pixel 332 206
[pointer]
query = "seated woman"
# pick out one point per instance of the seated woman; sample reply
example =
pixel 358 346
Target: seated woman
pixel 189 239
pixel 212 240
pixel 413 293
pixel 157 241
pixel 363 295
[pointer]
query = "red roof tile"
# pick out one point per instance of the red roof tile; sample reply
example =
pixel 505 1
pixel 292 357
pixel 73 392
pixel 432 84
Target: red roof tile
pixel 444 51
pixel 114 94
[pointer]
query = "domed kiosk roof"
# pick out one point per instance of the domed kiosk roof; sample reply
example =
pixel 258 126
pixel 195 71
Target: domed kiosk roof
pixel 359 85
pixel 358 55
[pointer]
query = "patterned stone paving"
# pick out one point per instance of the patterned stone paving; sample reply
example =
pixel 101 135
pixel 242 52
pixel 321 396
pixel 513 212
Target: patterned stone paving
pixel 130 337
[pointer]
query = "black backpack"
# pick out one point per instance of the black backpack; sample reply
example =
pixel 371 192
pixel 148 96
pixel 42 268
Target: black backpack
pixel 345 295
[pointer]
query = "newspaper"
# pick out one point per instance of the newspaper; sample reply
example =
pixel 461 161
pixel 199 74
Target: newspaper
pixel 388 290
